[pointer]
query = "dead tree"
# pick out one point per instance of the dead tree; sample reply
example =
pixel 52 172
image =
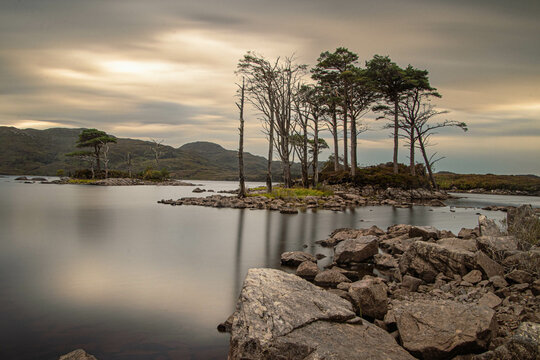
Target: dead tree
pixel 424 130
pixel 241 178
pixel 156 149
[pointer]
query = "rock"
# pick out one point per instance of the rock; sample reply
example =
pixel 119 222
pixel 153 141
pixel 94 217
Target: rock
pixel 488 266
pixel 330 278
pixel 498 282
pixel 442 329
pixel 497 245
pixel 426 260
pixel 490 300
pixel 21 178
pixel 524 344
pixel 198 190
pixel 307 270
pixel 524 260
pixel 281 316
pixel 535 287
pixel 464 244
pixel 288 210
pixel 295 258
pixel 410 283
pixel 465 233
pixel 488 227
pixel 474 277
pixel 78 354
pixel 385 260
pixel 426 232
pixel 369 295
pixel 356 250
pixel 519 277
pixel 398 245
pixel 38 179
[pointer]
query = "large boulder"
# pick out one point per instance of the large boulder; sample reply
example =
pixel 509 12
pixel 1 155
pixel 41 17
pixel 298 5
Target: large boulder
pixel 281 316
pixel 488 266
pixel 426 232
pixel 442 329
pixel 78 354
pixel 464 244
pixel 488 227
pixel 370 297
pixel 425 260
pixel 356 250
pixel 497 246
pixel 295 258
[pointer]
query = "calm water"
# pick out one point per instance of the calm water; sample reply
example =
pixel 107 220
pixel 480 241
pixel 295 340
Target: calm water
pixel 110 270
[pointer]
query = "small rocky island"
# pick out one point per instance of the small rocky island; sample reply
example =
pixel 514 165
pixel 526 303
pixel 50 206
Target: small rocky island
pixel 405 293
pixel 341 198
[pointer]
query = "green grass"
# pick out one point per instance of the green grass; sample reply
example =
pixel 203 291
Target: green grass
pixel 81 181
pixel 292 193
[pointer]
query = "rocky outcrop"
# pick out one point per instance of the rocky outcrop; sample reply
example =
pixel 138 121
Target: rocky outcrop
pixel 78 354
pixel 442 329
pixel 281 316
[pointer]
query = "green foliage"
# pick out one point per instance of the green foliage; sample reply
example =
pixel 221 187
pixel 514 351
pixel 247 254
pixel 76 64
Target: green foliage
pixel 81 181
pixel 379 176
pixel 155 175
pixel 94 138
pixel 60 173
pixel 450 181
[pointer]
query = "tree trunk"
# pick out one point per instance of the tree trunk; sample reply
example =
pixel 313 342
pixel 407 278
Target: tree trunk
pixel 411 155
pixel 316 151
pixel 242 190
pixel 96 153
pixel 426 161
pixel 305 175
pixel 270 155
pixel 345 147
pixel 336 144
pixel 396 140
pixel 353 147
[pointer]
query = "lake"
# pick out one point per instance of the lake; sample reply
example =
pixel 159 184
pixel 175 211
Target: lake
pixel 109 270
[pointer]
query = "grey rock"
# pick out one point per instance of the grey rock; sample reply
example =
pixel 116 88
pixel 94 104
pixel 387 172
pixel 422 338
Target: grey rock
pixel 370 296
pixel 385 260
pixel 295 258
pixel 457 243
pixel 497 245
pixel 490 300
pixel 439 329
pixel 426 232
pixel 410 283
pixel 488 266
pixel 330 278
pixel 281 316
pixel 488 227
pixel 356 250
pixel 498 282
pixel 307 270
pixel 519 277
pixel 425 260
pixel 473 277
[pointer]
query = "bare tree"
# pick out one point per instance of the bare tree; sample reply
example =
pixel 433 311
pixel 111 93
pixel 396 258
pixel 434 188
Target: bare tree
pixel 156 149
pixel 241 178
pixel 260 76
pixel 424 130
pixel 105 152
pixel 129 163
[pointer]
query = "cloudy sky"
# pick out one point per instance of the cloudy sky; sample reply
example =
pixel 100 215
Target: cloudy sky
pixel 164 69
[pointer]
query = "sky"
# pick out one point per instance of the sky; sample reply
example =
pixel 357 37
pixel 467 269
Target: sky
pixel 165 69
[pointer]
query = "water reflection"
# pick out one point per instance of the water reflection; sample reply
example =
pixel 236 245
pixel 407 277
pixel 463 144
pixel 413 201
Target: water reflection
pixel 110 270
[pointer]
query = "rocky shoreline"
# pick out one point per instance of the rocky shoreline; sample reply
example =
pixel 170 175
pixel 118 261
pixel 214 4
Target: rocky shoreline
pixel 405 293
pixel 107 182
pixel 342 199
pixel 495 192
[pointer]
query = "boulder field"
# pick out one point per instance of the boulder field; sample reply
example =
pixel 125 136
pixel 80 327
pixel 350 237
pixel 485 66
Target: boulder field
pixel 431 295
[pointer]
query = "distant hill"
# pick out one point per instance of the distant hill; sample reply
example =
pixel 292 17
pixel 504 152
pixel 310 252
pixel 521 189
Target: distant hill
pixel 42 152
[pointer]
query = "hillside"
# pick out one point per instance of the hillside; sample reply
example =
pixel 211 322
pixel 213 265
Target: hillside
pixel 42 152
pixel 527 183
